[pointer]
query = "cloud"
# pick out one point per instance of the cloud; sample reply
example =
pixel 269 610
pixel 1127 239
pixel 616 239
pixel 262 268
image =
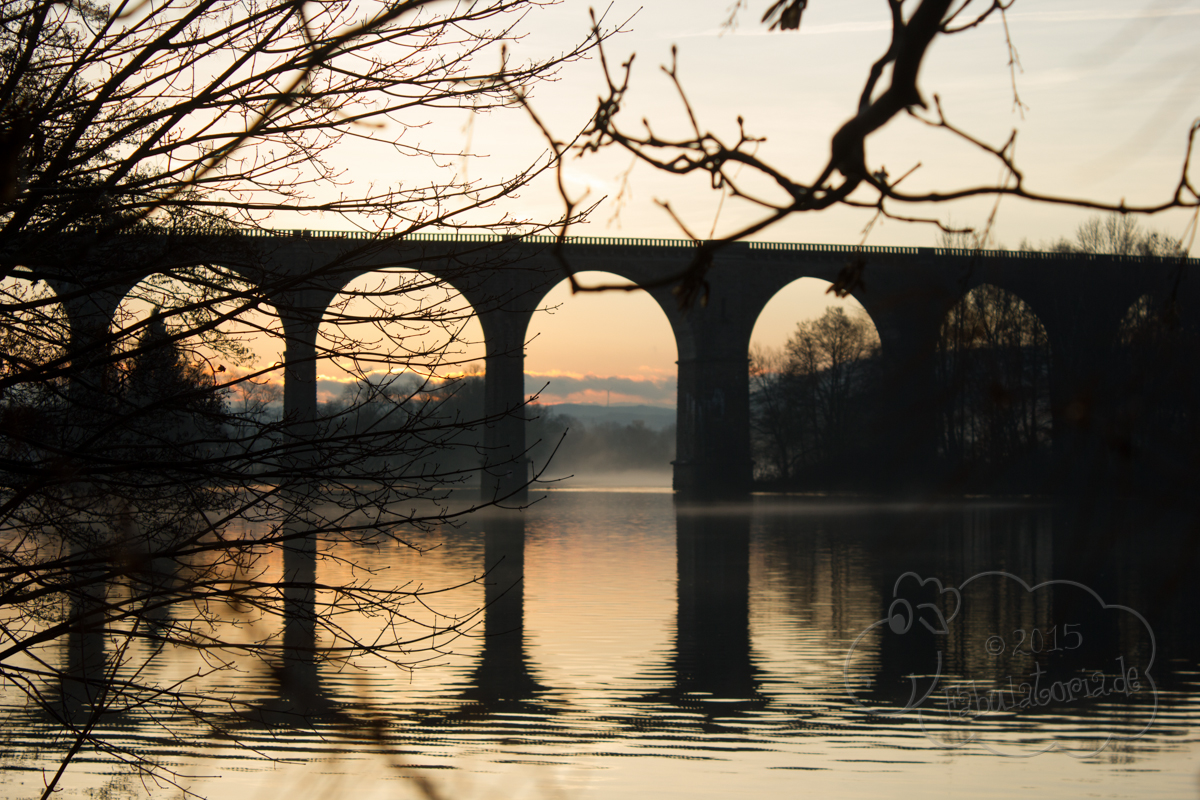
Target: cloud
pixel 330 387
pixel 1092 14
pixel 1089 14
pixel 742 31
pixel 578 177
pixel 566 387
pixel 560 386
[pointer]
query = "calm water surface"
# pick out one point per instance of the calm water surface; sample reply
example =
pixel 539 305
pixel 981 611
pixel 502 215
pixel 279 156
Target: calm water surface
pixel 771 649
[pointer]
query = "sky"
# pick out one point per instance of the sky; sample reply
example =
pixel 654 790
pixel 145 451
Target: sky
pixel 1108 91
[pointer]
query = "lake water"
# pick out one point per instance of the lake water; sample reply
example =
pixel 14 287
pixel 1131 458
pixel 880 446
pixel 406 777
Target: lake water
pixel 785 647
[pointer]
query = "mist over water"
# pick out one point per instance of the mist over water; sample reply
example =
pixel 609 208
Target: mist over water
pixel 632 479
pixel 603 447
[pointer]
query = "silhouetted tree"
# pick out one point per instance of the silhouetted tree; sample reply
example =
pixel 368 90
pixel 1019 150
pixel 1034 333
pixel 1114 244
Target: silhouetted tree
pixel 1119 234
pixel 775 426
pixel 814 409
pixel 829 359
pixel 168 398
pixel 141 140
pixel 993 364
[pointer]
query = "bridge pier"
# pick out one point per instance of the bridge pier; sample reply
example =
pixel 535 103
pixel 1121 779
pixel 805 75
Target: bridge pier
pixel 300 315
pixel 301 320
pixel 904 431
pixel 505 471
pixel 712 452
pixel 1083 327
pixel 1085 447
pixel 90 315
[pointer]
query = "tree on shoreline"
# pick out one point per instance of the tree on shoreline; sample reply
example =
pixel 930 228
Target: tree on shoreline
pixel 993 369
pixel 809 400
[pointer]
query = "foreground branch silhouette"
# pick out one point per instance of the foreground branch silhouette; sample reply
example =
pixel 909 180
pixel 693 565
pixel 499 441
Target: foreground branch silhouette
pixel 890 90
pixel 169 479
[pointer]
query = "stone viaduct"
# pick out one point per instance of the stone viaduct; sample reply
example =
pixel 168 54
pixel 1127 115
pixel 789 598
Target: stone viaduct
pixel 1081 300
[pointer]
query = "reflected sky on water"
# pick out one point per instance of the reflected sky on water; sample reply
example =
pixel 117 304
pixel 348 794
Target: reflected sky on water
pixel 790 645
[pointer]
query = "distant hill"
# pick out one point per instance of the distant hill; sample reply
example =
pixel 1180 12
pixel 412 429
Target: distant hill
pixel 655 417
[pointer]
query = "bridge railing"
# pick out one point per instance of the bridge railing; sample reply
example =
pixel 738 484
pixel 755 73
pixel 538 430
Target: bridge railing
pixel 612 241
pixel 609 241
pixel 803 247
pixel 1052 255
pixel 835 248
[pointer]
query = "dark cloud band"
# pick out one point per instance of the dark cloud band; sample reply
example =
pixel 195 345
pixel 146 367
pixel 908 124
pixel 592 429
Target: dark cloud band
pixel 652 391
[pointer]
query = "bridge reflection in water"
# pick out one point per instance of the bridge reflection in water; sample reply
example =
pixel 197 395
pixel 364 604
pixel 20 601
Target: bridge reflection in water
pixel 751 672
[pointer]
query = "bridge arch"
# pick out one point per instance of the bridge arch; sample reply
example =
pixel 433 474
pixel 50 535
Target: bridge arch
pixel 215 314
pixel 37 332
pixel 993 370
pixel 804 298
pixel 611 348
pixel 1155 390
pixel 397 322
pixel 400 359
pixel 209 327
pixel 814 375
pixel 616 280
pixel 618 322
pixel 1152 316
